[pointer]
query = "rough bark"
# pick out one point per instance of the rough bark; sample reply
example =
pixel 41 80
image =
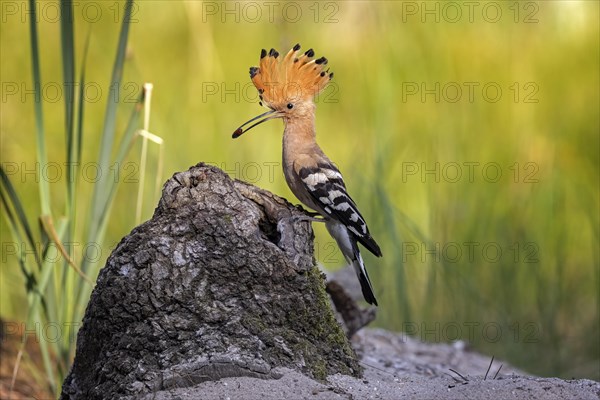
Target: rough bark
pixel 221 282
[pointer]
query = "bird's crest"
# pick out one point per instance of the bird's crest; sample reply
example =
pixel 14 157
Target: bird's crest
pixel 295 76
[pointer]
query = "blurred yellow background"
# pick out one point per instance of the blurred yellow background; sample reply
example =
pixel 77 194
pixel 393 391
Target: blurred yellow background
pixel 468 134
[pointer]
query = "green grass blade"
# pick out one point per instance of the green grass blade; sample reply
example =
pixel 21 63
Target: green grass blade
pixel 34 316
pixel 129 135
pixel 18 207
pixel 36 320
pixel 39 120
pixel 35 288
pixel 30 281
pixel 100 191
pixel 57 296
pixel 81 105
pixel 124 147
pixel 68 66
pixel 71 284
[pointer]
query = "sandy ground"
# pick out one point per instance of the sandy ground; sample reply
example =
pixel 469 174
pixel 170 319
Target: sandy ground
pixel 398 367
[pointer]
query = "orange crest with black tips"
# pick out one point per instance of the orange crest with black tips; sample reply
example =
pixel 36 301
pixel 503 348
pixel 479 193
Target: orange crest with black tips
pixel 296 76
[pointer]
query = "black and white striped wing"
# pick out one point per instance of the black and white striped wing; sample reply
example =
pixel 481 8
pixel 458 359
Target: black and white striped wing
pixel 326 187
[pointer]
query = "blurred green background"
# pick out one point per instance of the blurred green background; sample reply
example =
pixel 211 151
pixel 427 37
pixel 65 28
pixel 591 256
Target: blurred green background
pixel 468 134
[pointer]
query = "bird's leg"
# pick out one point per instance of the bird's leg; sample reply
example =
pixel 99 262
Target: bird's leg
pixel 307 216
pixel 310 216
pixel 285 224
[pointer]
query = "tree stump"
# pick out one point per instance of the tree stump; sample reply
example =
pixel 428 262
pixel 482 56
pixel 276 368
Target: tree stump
pixel 221 282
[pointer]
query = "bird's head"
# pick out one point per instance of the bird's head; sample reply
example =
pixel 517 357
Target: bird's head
pixel 287 84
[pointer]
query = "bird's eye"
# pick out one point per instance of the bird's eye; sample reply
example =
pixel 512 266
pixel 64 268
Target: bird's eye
pixel 290 106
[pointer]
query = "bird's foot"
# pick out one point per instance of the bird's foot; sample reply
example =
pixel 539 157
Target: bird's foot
pixel 309 216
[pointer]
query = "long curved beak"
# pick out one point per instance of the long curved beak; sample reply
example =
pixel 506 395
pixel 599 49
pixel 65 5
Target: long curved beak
pixel 262 118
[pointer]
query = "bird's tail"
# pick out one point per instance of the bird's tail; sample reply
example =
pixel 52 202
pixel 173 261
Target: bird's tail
pixel 363 278
pixel 349 247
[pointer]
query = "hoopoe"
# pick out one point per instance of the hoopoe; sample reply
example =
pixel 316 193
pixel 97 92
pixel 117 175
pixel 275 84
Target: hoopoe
pixel 287 85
